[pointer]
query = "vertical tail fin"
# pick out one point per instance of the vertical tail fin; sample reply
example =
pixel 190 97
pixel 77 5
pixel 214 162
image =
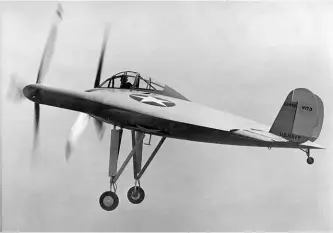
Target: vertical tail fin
pixel 300 118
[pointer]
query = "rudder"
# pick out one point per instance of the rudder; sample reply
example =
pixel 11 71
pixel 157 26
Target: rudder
pixel 320 119
pixel 300 118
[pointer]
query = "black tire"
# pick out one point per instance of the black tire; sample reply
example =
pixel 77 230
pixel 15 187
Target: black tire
pixel 109 201
pixel 136 195
pixel 310 160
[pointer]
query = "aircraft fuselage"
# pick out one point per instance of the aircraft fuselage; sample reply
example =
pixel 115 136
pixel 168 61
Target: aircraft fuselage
pixel 152 114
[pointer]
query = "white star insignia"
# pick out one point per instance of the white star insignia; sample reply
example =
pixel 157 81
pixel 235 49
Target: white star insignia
pixel 152 99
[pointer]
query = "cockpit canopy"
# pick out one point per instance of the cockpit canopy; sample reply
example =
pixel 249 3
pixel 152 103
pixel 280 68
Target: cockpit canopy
pixel 142 84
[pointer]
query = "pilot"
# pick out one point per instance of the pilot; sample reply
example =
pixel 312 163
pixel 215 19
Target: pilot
pixel 124 84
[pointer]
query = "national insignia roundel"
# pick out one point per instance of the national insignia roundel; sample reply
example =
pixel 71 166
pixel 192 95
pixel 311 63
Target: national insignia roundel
pixel 152 100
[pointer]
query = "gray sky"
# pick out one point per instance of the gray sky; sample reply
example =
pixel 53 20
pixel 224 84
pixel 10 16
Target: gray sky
pixel 238 57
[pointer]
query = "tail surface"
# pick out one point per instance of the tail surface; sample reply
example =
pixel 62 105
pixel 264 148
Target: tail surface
pixel 300 118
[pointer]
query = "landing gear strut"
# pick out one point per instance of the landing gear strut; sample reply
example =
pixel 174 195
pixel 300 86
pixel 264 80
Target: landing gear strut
pixel 136 194
pixel 309 160
pixel 109 199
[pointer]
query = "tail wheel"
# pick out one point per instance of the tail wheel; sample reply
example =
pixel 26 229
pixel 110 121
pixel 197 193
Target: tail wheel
pixel 310 160
pixel 109 201
pixel 136 195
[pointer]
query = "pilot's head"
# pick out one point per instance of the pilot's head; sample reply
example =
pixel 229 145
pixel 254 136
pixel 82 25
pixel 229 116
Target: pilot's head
pixel 123 79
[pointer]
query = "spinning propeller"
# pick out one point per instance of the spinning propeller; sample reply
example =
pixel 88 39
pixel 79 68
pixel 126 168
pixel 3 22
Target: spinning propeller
pixel 99 124
pixel 83 118
pixel 16 86
pixel 44 66
pixel 15 91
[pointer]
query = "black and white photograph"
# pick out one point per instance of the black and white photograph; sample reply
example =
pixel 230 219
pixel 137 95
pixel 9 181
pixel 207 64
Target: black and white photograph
pixel 166 116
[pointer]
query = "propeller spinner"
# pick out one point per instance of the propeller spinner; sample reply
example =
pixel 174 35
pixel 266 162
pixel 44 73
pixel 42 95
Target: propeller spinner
pixel 16 87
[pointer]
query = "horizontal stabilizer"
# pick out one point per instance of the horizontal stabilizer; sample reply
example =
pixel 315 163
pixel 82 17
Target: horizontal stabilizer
pixel 312 145
pixel 274 140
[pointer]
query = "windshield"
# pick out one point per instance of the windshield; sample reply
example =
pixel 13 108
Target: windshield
pixel 133 80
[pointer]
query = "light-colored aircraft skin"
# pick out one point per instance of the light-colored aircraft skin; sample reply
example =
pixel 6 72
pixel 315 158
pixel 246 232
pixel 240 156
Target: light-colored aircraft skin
pixel 183 120
pixel 145 106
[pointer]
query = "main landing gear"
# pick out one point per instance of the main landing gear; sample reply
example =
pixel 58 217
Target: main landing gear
pixel 109 199
pixel 309 160
pixel 136 194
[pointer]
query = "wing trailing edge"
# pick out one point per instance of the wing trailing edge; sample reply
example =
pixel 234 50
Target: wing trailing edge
pixel 272 139
pixel 259 135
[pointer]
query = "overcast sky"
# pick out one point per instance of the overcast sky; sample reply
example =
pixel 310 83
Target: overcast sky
pixel 243 58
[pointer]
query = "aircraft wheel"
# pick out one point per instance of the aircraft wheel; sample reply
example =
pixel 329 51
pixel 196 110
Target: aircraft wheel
pixel 310 160
pixel 136 195
pixel 109 201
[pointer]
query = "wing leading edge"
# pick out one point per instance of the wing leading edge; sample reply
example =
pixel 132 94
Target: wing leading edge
pixel 61 98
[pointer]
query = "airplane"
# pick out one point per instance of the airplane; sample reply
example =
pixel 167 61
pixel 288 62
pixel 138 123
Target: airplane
pixel 147 107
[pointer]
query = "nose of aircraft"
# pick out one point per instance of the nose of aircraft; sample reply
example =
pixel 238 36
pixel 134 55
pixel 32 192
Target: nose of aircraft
pixel 31 91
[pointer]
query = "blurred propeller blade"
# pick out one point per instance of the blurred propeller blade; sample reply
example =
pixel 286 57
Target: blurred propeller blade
pixel 59 11
pixel 49 48
pixel 45 64
pixel 99 124
pixel 75 132
pixel 37 114
pixel 15 88
pixel 99 128
pixel 101 58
